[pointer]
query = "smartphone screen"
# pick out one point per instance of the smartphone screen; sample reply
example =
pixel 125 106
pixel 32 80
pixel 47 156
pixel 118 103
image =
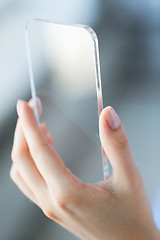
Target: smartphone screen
pixel 65 75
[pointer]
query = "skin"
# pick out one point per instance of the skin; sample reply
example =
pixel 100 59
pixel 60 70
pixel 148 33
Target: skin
pixel 116 208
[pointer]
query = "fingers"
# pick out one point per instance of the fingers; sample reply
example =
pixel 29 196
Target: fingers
pixel 46 159
pixel 46 134
pixel 19 181
pixel 19 140
pixel 19 143
pixel 115 143
pixel 27 168
pixel 42 125
pixel 24 162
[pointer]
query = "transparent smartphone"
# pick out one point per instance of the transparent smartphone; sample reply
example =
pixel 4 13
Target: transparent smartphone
pixel 65 74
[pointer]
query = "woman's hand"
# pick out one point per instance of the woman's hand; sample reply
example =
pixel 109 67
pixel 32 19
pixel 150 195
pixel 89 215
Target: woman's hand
pixel 114 209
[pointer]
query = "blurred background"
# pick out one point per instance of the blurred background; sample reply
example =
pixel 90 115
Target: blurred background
pixel 129 42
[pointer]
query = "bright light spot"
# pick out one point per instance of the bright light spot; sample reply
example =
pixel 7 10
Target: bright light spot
pixel 70 55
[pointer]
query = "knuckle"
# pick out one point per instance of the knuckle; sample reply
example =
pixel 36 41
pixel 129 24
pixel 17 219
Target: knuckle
pixel 14 173
pixel 66 202
pixel 51 215
pixel 13 155
pixel 17 155
pixel 69 199
pixel 122 143
pixel 48 209
pixel 48 212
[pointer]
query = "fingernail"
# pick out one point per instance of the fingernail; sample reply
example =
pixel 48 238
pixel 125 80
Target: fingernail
pixel 19 107
pixel 112 118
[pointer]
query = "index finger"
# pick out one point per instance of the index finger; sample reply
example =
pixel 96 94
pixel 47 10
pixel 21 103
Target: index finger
pixel 45 157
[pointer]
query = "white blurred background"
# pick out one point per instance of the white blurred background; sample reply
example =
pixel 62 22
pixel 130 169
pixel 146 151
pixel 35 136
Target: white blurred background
pixel 129 39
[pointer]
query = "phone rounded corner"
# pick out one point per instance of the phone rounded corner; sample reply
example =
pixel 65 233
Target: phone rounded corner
pixel 91 32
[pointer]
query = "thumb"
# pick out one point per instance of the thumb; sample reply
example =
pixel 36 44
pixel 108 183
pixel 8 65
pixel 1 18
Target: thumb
pixel 116 146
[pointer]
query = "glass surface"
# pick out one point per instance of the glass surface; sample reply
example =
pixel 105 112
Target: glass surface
pixel 65 75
